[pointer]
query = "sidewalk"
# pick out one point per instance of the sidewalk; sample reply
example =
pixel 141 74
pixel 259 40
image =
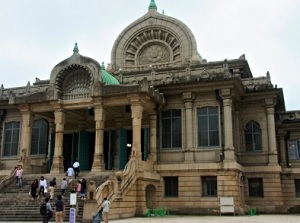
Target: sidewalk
pixel 208 219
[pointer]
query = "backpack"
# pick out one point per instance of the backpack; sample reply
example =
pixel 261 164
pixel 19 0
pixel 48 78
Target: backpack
pixel 43 209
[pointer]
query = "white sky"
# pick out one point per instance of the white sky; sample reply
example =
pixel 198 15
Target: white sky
pixel 35 35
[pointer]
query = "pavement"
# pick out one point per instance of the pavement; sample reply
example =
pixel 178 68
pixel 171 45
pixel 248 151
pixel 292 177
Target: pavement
pixel 207 219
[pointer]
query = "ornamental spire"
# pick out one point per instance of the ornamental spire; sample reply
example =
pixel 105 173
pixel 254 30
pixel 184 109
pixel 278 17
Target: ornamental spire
pixel 152 5
pixel 103 66
pixel 75 50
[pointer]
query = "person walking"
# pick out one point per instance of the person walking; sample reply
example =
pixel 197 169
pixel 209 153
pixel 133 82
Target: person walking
pixel 59 209
pixel 76 168
pixel 105 205
pixel 83 189
pixel 70 173
pixel 52 185
pixel 42 185
pixel 46 217
pixel 19 176
pixel 63 186
pixel 34 186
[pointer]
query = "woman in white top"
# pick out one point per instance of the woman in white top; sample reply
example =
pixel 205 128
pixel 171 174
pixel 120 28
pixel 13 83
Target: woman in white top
pixel 42 185
pixel 70 173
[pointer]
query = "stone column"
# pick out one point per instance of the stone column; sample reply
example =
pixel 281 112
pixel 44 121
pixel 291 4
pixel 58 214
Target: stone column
pixel 98 162
pixel 136 114
pixel 119 126
pixel 153 136
pixel 273 159
pixel 27 120
pixel 60 120
pixel 228 136
pixel 282 146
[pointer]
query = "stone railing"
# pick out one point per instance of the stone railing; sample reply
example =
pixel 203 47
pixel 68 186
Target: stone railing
pixel 8 179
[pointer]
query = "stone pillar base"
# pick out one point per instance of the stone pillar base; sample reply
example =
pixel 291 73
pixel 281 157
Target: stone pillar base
pixel 229 155
pixel 273 159
pixel 189 157
pixel 98 163
pixel 57 165
pixel 27 165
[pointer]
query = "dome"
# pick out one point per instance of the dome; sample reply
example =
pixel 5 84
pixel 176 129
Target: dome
pixel 154 39
pixel 107 78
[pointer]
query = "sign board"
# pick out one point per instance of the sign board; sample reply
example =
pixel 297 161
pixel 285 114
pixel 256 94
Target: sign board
pixel 73 198
pixel 72 217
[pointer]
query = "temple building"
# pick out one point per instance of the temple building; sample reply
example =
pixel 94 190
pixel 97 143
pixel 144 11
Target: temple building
pixel 171 128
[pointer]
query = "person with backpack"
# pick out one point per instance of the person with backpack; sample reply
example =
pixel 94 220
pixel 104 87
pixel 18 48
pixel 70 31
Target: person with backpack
pixel 46 211
pixel 59 209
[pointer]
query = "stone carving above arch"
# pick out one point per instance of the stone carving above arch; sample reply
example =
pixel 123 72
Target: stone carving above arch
pixel 153 39
pixel 152 46
pixel 73 82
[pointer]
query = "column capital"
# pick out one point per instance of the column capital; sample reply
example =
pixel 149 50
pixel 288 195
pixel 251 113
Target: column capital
pixel 270 111
pixel 136 110
pixel 99 113
pixel 269 102
pixel 227 102
pixel 188 96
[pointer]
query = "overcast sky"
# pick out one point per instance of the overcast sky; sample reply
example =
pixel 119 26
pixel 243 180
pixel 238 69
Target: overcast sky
pixel 37 34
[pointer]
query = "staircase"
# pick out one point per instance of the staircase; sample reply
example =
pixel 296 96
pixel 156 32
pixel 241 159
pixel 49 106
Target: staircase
pixel 16 203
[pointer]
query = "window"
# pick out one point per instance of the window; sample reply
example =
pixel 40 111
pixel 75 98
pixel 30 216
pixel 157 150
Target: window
pixel 11 139
pixel 208 126
pixel 171 128
pixel 256 188
pixel 39 137
pixel 171 186
pixel 209 186
pixel 297 187
pixel 294 149
pixel 253 136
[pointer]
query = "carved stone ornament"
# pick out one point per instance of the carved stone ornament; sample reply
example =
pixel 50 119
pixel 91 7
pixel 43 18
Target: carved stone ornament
pixel 154 54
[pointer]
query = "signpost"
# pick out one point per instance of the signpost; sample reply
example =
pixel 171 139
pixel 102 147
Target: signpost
pixel 73 201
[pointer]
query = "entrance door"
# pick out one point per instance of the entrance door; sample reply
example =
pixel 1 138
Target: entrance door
pixel 125 145
pixel 70 149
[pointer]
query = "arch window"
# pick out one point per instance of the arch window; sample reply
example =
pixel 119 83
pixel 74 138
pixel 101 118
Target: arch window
pixel 39 137
pixel 11 139
pixel 253 137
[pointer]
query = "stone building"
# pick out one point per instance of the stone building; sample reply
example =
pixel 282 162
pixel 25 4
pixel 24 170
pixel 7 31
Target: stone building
pixel 174 130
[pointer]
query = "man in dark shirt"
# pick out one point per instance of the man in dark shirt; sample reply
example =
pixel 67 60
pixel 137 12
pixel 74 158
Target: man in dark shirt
pixel 52 185
pixel 59 209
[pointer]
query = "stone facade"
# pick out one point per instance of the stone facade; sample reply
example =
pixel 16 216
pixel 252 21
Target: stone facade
pixel 176 131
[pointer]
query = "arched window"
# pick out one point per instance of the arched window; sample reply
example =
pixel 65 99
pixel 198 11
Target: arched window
pixel 253 136
pixel 39 137
pixel 11 139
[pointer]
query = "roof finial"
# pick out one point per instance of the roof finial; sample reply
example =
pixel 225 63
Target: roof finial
pixel 152 5
pixel 75 50
pixel 103 66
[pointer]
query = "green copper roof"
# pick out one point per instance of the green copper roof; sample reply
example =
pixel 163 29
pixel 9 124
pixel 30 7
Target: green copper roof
pixel 107 78
pixel 75 50
pixel 152 5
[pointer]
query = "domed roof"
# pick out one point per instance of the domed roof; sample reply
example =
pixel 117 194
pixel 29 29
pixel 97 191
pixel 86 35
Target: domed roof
pixel 153 39
pixel 107 78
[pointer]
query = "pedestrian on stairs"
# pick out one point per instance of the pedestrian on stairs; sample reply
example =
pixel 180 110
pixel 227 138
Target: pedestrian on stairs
pixel 43 186
pixel 63 186
pixel 52 185
pixel 70 173
pixel 34 186
pixel 19 175
pixel 76 168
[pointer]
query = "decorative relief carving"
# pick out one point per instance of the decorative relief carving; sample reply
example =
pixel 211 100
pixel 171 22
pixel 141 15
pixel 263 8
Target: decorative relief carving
pixel 153 46
pixel 154 54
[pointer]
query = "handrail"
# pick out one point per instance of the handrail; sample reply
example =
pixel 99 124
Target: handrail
pixel 8 177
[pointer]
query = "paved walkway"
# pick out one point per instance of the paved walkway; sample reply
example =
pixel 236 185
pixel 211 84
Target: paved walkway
pixel 209 219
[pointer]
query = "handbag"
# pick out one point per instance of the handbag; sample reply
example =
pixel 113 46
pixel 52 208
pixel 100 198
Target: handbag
pixel 45 190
